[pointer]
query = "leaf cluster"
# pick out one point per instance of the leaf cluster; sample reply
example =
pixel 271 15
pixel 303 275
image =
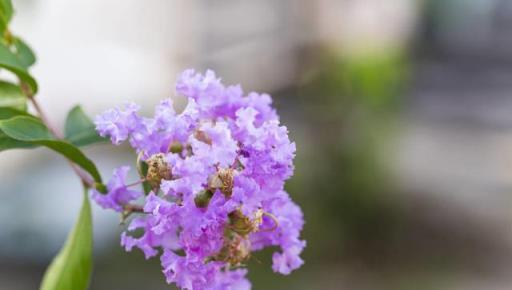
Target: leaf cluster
pixel 19 129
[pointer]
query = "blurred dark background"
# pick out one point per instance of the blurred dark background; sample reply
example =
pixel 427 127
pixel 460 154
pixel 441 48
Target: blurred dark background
pixel 401 111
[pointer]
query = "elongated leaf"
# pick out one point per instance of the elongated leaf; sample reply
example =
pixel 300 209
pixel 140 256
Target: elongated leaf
pixel 31 130
pixel 7 143
pixel 25 129
pixel 7 113
pixel 144 170
pixel 11 62
pixel 80 130
pixel 6 12
pixel 12 96
pixel 71 268
pixel 25 54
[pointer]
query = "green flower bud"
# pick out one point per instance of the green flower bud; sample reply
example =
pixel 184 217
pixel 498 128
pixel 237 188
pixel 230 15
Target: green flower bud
pixel 175 147
pixel 202 199
pixel 239 223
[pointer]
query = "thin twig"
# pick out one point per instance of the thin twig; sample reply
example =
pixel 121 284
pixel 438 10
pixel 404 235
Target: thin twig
pixel 86 179
pixel 44 118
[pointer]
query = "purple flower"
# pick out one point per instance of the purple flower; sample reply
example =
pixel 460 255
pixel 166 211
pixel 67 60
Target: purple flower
pixel 217 172
pixel 118 193
pixel 117 123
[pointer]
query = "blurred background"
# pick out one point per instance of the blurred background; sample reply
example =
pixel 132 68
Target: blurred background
pixel 401 111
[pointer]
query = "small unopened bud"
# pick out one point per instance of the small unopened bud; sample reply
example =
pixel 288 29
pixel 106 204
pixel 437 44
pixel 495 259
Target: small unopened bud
pixel 175 147
pixel 223 180
pixel 243 225
pixel 240 224
pixel 158 169
pixel 202 199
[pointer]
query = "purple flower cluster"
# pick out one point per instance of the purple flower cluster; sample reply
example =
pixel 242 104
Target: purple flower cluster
pixel 217 172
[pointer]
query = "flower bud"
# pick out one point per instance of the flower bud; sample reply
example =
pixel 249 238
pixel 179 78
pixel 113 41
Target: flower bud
pixel 240 224
pixel 202 199
pixel 158 169
pixel 175 147
pixel 243 225
pixel 223 180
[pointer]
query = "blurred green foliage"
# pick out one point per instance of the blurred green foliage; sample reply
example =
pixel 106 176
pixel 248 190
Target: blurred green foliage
pixel 353 103
pixel 348 109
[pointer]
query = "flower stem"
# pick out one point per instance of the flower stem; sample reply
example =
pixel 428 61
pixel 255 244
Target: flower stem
pixel 133 208
pixel 136 182
pixel 128 209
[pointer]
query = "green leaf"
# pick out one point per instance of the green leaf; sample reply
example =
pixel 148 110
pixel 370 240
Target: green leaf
pixel 72 267
pixel 7 113
pixel 31 130
pixel 6 12
pixel 25 54
pixel 143 167
pixel 7 143
pixel 80 130
pixel 6 9
pixel 26 129
pixel 12 96
pixel 11 62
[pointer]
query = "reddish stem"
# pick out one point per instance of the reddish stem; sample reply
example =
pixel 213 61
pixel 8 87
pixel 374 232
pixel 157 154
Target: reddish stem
pixel 86 179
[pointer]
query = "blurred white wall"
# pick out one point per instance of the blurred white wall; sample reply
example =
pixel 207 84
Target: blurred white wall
pixel 102 52
pixel 359 27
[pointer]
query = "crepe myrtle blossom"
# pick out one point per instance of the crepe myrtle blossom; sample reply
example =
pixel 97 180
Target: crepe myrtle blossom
pixel 213 176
